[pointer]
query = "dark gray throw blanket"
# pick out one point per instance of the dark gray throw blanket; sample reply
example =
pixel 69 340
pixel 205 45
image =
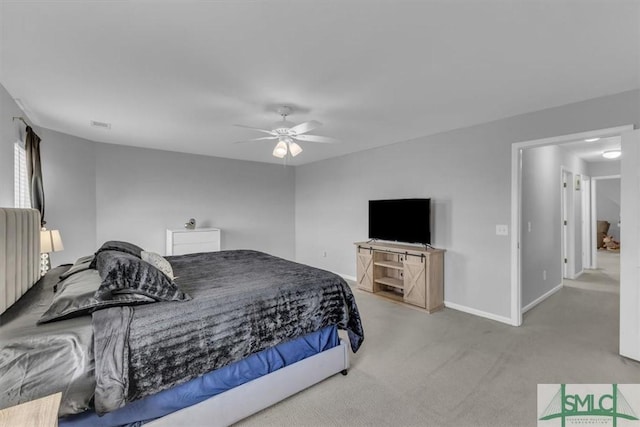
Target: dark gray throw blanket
pixel 242 302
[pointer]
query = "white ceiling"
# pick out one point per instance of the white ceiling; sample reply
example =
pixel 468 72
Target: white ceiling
pixel 176 75
pixel 592 151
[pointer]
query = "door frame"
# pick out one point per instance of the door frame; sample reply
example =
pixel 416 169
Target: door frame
pixel 594 216
pixel 516 204
pixel 566 218
pixel 587 239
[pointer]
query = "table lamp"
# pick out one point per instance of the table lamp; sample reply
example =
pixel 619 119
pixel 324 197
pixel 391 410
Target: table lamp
pixel 50 241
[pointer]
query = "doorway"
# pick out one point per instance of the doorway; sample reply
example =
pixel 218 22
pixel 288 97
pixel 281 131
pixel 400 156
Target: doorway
pixel 605 209
pixel 603 245
pixel 629 331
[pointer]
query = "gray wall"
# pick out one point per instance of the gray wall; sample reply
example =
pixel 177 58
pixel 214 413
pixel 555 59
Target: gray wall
pixel 96 192
pixel 466 172
pixel 10 132
pixel 606 168
pixel 541 225
pixel 608 204
pixel 541 241
pixel 141 192
pixel 68 169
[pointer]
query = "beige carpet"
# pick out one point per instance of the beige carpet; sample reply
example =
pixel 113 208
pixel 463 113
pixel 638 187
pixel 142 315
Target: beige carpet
pixel 455 369
pixel 606 278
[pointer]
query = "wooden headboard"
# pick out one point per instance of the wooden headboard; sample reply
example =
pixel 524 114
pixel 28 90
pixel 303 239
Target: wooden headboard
pixel 19 253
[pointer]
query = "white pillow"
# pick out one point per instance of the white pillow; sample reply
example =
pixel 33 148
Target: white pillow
pixel 159 262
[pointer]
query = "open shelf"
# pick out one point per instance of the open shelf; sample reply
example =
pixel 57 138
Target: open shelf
pixel 390 264
pixel 390 281
pixel 391 295
pixel 385 268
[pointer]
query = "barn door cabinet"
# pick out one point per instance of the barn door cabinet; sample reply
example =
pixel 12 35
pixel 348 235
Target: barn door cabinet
pixel 409 274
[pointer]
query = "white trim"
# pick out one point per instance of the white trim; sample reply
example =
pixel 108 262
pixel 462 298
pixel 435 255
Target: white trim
pixel 516 187
pixel 346 276
pixel 541 298
pixel 476 312
pixel 567 238
pixel 594 226
pixel 587 241
pixel 555 140
pixel 606 177
pixel 516 149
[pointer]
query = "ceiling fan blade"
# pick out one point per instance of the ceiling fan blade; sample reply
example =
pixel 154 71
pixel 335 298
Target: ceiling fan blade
pixel 305 127
pixel 256 139
pixel 316 138
pixel 270 132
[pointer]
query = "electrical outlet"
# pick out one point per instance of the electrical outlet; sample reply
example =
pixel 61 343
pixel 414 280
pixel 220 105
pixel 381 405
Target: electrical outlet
pixel 544 274
pixel 502 230
pixel 529 226
pixel 324 254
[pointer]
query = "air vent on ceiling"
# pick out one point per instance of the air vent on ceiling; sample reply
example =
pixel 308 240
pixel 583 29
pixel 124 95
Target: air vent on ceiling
pixel 102 125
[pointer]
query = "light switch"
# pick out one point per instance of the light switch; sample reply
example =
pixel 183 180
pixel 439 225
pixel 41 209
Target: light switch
pixel 502 230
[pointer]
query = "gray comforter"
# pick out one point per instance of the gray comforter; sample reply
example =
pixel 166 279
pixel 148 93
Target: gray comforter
pixel 38 360
pixel 243 302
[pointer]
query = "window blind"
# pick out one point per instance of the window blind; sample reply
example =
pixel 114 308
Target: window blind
pixel 21 194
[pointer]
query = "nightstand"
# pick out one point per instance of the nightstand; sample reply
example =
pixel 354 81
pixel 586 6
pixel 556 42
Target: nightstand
pixel 37 413
pixel 182 241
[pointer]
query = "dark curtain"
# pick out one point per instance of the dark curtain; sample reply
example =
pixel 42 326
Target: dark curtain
pixel 34 172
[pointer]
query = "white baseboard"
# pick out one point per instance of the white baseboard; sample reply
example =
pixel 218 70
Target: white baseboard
pixel 346 276
pixel 578 274
pixel 541 298
pixel 477 312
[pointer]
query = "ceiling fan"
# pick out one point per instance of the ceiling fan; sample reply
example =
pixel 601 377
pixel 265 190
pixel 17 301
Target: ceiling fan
pixel 288 133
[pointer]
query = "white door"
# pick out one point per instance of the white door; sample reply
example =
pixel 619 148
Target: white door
pixel 630 253
pixel 587 241
pixel 567 198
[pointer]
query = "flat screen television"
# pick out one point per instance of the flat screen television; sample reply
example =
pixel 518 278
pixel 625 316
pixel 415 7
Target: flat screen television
pixel 400 220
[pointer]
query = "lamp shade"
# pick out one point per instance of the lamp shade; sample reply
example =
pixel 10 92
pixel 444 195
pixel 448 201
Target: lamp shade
pixel 281 150
pixel 294 149
pixel 50 241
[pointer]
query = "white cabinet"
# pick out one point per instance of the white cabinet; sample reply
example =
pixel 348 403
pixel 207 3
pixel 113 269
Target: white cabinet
pixel 183 241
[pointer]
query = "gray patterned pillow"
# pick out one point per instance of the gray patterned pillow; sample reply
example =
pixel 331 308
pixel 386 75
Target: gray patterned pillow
pixel 125 273
pixel 159 262
pixel 117 245
pixel 77 298
pixel 81 264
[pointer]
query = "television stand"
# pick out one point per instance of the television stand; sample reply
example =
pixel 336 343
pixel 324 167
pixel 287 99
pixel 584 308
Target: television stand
pixel 405 273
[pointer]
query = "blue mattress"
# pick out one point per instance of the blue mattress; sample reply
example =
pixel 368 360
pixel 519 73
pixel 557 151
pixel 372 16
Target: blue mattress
pixel 212 383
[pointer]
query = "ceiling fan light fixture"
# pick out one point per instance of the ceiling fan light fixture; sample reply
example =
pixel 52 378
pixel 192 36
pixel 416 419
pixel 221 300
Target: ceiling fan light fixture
pixel 294 148
pixel 612 154
pixel 286 132
pixel 282 126
pixel 281 149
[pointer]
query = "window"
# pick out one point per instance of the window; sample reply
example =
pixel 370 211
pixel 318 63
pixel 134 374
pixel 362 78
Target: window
pixel 21 197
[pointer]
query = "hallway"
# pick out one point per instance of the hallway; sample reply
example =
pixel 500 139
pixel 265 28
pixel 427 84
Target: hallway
pixel 606 278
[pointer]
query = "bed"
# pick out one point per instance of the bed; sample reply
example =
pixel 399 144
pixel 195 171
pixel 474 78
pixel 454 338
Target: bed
pixel 243 331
